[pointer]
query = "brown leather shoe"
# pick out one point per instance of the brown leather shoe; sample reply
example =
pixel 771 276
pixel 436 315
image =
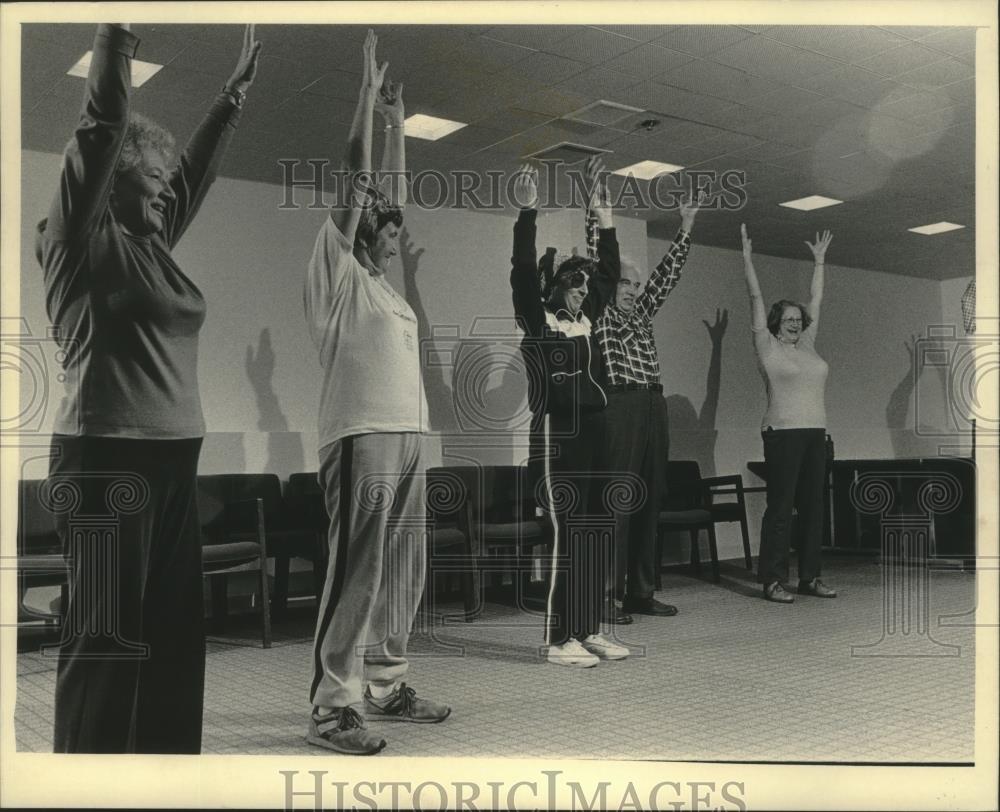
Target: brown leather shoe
pixel 816 588
pixel 776 592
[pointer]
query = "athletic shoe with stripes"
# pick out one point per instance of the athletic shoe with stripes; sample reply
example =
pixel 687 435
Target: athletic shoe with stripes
pixel 572 653
pixel 343 731
pixel 600 645
pixel 403 705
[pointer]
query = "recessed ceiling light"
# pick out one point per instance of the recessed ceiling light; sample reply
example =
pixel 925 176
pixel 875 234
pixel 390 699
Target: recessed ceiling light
pixel 936 228
pixel 430 128
pixel 811 202
pixel 647 170
pixel 142 72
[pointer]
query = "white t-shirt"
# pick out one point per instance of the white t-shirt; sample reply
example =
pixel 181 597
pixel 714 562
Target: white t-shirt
pixel 795 377
pixel 368 345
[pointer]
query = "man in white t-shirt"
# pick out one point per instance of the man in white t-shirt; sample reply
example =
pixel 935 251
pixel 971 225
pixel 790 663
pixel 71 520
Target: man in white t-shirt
pixel 372 414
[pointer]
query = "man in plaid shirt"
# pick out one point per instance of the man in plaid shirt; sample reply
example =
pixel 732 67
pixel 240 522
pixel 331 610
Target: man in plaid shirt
pixel 636 438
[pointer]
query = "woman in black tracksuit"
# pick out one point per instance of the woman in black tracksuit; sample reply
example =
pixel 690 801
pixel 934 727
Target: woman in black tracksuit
pixel 564 374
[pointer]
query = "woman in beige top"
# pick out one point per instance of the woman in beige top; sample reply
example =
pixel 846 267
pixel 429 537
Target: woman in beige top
pixel 793 429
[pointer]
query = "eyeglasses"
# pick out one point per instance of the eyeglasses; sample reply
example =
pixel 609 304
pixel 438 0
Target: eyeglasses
pixel 791 321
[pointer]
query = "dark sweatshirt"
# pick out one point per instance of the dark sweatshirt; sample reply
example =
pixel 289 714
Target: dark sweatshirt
pixel 565 372
pixel 127 316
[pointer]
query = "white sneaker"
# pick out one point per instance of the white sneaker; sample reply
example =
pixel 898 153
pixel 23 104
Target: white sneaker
pixel 572 653
pixel 600 645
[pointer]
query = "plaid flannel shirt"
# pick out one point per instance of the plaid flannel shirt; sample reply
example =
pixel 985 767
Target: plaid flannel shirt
pixel 626 339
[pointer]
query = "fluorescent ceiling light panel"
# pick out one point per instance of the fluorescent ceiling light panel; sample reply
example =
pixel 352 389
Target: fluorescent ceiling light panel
pixel 811 202
pixel 647 170
pixel 142 72
pixel 936 228
pixel 430 128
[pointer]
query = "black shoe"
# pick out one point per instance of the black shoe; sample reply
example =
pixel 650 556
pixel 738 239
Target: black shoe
pixel 816 588
pixel 612 615
pixel 776 592
pixel 648 606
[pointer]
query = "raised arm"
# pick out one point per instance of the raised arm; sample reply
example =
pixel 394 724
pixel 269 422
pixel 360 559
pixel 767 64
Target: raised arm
pixel 91 157
pixel 667 273
pixel 359 143
pixel 601 289
pixel 758 318
pixel 524 262
pixel 816 289
pixel 393 177
pixel 196 170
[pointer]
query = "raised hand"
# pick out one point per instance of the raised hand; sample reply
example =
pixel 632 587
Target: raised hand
pixel 689 208
pixel 597 185
pixel 246 68
pixel 389 103
pixel 718 330
pixel 526 187
pixel 373 74
pixel 822 243
pixel 409 257
pixel 747 245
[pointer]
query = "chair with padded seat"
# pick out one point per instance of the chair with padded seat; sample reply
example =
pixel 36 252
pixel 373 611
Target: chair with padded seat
pixel 305 534
pixel 40 560
pixel 234 539
pixel 449 549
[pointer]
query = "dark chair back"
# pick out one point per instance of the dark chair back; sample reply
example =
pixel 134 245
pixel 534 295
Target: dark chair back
pixel 448 490
pixel 684 490
pixel 37 532
pixel 217 491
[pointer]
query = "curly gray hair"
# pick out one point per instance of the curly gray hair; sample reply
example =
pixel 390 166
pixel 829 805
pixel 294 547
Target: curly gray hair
pixel 143 133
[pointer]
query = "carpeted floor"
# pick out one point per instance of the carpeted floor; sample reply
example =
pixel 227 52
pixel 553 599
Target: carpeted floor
pixel 732 677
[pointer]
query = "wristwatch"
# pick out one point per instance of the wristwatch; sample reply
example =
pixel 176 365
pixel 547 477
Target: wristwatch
pixel 238 96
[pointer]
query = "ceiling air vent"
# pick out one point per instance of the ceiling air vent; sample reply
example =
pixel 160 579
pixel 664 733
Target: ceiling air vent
pixel 567 152
pixel 603 113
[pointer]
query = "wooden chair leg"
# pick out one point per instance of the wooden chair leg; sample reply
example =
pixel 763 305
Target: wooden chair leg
pixel 713 551
pixel 746 541
pixel 695 552
pixel 265 603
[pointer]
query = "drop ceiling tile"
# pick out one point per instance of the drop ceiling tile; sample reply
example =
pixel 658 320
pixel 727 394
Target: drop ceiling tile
pixel 512 120
pixel 844 43
pixel 639 33
pixel 701 40
pixel 183 82
pixel 590 45
pixel 647 61
pixel 784 99
pixel 546 68
pixel 913 31
pixel 553 101
pixel 853 84
pixel 895 61
pixel 483 55
pixel 472 138
pixel 601 83
pixel 538 37
pixel 959 42
pixel 721 81
pixel 339 84
pixel 768 152
pixel 773 60
pixel 828 111
pixel 943 72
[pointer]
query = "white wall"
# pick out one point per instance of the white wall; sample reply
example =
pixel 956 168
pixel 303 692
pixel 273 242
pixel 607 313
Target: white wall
pixel 248 257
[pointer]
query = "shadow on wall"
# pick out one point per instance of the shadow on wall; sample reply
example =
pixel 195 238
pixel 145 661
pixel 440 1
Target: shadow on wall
pixel 693 434
pixel 284 448
pixel 908 439
pixel 482 403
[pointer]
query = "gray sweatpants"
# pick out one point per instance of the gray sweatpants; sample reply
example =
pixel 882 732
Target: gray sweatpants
pixel 374 486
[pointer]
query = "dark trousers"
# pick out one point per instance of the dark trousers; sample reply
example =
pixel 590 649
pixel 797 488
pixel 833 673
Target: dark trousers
pixel 637 442
pixel 132 656
pixel 582 535
pixel 796 469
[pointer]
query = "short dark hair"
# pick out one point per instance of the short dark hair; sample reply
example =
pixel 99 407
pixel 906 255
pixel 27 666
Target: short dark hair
pixel 778 309
pixel 376 215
